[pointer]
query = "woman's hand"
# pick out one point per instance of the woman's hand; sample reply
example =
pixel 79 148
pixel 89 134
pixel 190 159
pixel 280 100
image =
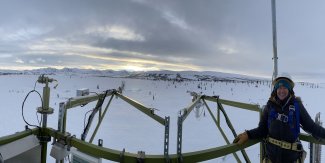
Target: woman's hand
pixel 241 138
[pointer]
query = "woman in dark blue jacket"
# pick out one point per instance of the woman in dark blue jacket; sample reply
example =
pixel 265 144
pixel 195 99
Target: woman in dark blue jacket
pixel 280 125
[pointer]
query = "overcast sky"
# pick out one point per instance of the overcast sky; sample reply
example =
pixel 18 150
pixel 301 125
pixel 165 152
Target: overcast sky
pixel 202 35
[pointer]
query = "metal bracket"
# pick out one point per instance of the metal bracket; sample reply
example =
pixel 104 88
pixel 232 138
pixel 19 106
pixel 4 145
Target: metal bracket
pixel 62 111
pixel 27 128
pixel 54 138
pixel 179 138
pixel 166 142
pixel 152 110
pixel 45 111
pixel 100 142
pixel 44 138
pixel 68 141
pixel 122 156
pixel 217 97
pixel 141 156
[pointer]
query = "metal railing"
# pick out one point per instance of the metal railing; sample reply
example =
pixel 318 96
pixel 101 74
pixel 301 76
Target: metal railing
pixel 122 156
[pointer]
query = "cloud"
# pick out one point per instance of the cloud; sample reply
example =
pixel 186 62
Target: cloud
pixel 21 34
pixel 169 35
pixel 173 19
pixel 232 36
pixel 115 32
pixel 3 55
pixel 38 60
pixel 19 60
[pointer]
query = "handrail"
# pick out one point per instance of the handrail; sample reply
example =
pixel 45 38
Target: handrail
pixel 114 155
pixel 311 139
pixel 19 135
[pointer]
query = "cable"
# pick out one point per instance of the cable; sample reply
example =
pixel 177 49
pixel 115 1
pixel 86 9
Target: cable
pixel 39 122
pixel 89 110
pixel 22 107
pixel 91 116
pixel 86 116
pixel 35 85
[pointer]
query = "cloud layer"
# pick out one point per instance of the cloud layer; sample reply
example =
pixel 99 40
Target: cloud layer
pixel 230 36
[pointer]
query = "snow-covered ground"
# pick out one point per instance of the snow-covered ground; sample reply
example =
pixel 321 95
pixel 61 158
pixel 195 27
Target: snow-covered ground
pixel 126 127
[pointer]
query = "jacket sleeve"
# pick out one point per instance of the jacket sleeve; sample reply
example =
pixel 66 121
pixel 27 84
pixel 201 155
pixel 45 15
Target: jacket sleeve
pixel 262 130
pixel 309 125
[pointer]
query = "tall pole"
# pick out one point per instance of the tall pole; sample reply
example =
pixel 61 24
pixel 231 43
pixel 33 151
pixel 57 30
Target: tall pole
pixel 45 107
pixel 275 53
pixel 45 110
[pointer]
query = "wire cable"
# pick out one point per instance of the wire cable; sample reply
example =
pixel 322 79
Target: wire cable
pixel 91 116
pixel 22 107
pixel 39 122
pixel 86 117
pixel 89 110
pixel 35 85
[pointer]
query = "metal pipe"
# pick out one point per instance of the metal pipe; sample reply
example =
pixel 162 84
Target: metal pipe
pixel 143 109
pixel 45 107
pixel 232 129
pixel 190 108
pixel 238 105
pixel 275 52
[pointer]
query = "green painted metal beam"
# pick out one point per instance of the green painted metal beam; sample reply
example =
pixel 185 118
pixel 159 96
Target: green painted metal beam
pixel 221 130
pixel 77 101
pixel 189 109
pixel 212 153
pixel 234 103
pixel 101 117
pixel 309 138
pixel 115 155
pixel 142 108
pixel 17 136
pixel 229 124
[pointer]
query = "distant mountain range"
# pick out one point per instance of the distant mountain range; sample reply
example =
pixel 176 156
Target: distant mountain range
pixel 150 75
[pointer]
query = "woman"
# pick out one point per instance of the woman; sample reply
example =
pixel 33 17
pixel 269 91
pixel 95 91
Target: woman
pixel 280 124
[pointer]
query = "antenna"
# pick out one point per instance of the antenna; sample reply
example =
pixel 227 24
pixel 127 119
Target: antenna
pixel 275 55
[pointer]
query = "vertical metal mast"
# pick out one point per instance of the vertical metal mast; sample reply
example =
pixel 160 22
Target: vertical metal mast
pixel 275 53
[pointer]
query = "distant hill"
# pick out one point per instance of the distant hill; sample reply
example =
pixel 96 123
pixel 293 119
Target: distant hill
pixel 149 75
pixel 192 75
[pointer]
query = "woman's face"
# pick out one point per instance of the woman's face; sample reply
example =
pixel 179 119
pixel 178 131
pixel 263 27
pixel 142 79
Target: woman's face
pixel 282 92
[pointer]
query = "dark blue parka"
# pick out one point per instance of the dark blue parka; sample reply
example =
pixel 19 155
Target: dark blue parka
pixel 281 131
